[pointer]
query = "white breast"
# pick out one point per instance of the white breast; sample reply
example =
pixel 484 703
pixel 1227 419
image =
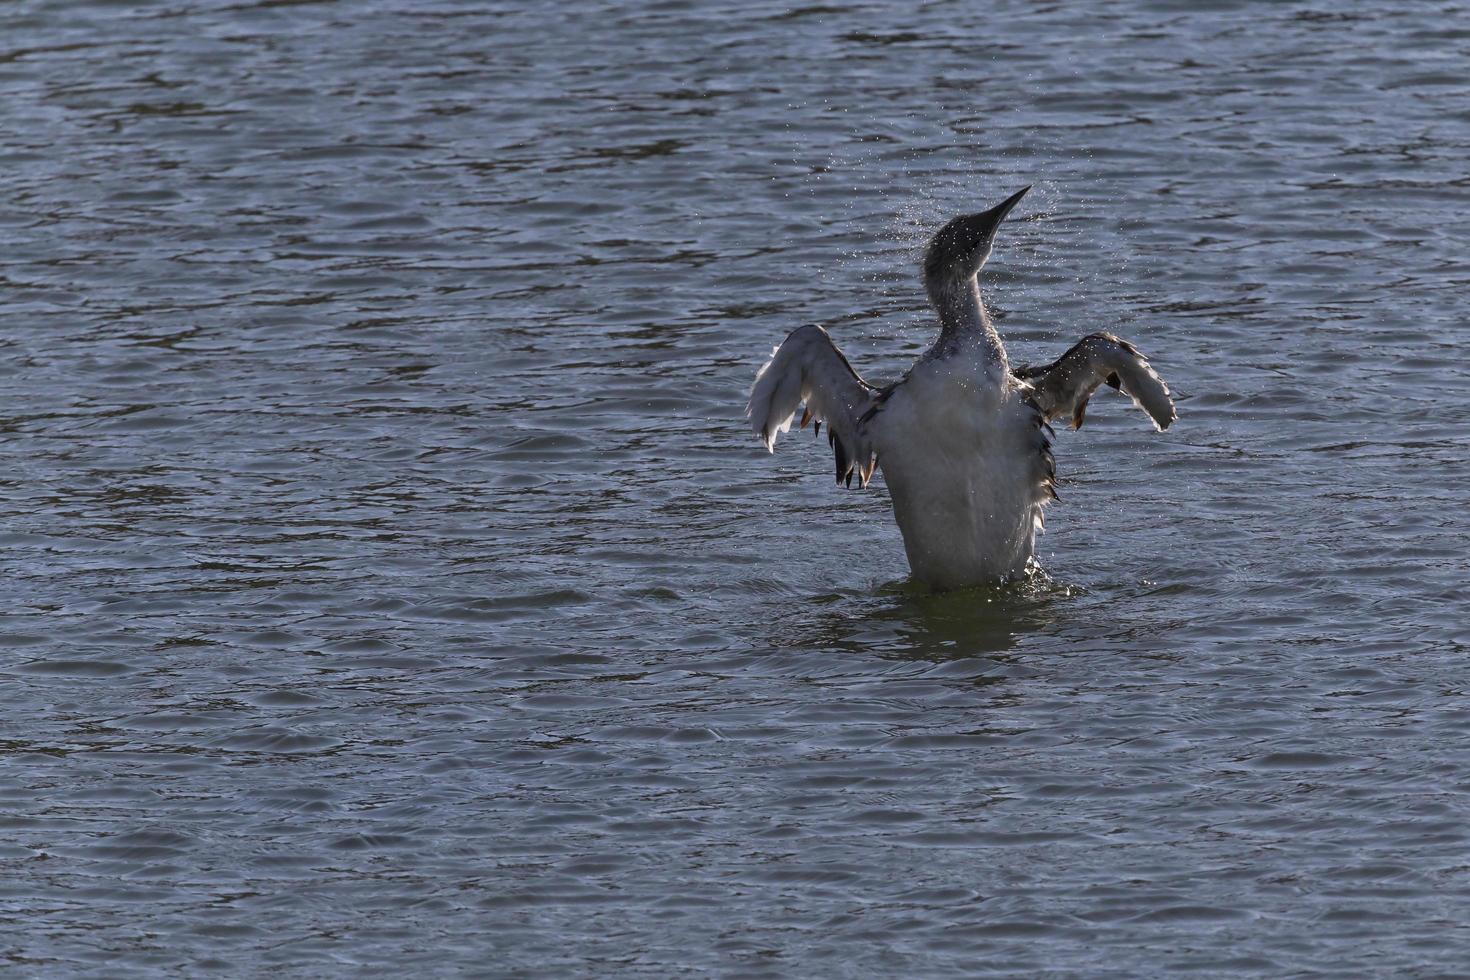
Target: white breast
pixel 961 455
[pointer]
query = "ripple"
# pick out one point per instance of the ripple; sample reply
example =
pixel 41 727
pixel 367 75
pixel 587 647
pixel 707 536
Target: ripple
pixel 73 668
pixel 390 579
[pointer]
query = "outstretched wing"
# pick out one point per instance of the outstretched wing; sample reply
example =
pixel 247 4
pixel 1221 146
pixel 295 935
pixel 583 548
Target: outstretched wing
pixel 1063 387
pixel 808 369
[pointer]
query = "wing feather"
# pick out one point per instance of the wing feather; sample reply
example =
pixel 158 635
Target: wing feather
pixel 1064 386
pixel 808 369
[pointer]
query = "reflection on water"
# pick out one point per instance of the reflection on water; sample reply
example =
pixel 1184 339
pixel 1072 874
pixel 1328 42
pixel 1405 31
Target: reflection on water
pixel 907 620
pixel 390 583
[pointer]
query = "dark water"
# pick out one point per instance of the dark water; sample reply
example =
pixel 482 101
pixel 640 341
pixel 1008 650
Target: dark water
pixel 390 584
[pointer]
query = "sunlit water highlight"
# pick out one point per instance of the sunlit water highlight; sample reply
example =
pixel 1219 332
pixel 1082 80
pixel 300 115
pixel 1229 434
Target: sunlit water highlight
pixel 390 582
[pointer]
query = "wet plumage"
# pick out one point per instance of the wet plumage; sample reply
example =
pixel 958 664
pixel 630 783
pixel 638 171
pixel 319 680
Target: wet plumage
pixel 963 439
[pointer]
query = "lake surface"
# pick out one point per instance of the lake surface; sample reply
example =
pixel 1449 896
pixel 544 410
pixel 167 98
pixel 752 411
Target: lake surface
pixel 390 582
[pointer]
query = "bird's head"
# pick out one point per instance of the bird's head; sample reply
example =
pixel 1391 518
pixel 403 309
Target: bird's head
pixel 960 248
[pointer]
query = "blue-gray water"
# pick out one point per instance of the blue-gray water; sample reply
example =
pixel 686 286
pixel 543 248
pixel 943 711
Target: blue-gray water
pixel 390 583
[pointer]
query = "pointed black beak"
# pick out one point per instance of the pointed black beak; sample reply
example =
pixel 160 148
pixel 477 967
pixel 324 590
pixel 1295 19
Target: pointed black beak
pixel 984 223
pixel 960 247
pixel 1004 207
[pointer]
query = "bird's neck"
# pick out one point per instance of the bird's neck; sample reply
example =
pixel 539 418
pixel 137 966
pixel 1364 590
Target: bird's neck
pixel 963 321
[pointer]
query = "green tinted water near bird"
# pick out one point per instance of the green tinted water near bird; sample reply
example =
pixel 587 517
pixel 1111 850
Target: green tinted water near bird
pixel 389 580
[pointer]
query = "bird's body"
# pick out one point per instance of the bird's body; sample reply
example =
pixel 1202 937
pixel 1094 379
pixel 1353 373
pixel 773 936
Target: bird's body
pixel 962 439
pixel 968 495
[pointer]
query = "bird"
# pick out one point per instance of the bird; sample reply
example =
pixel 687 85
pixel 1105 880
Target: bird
pixel 963 439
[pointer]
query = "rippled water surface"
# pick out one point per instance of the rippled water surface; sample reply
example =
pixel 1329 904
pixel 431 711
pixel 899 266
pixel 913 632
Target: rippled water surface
pixel 390 583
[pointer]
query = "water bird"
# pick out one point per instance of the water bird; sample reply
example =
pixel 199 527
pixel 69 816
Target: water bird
pixel 963 439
